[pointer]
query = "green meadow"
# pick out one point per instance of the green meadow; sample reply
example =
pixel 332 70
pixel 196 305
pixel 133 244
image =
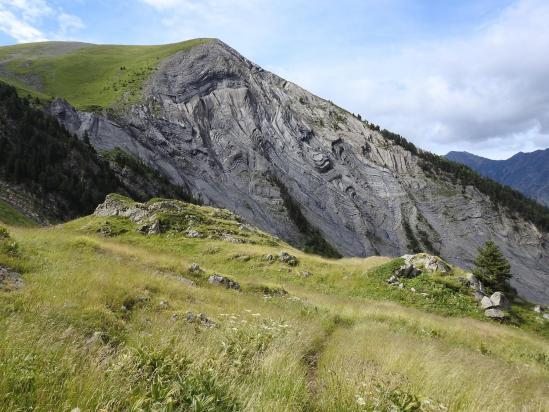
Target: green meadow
pixel 90 77
pixel 101 322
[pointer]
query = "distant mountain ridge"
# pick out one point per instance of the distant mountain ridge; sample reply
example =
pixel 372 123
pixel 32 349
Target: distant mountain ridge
pixel 526 172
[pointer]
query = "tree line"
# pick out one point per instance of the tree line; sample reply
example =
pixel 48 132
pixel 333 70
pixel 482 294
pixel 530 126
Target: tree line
pixel 42 156
pixel 501 195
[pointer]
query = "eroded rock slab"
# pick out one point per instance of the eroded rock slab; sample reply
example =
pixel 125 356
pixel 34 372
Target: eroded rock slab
pixel 10 280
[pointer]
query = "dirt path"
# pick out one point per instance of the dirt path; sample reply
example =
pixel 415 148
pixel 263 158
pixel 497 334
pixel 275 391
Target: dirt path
pixel 312 358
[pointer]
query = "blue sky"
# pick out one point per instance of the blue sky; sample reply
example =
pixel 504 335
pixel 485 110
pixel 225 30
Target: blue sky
pixel 449 75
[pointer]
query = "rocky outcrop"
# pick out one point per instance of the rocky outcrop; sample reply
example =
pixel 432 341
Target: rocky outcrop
pixel 228 130
pixel 9 279
pixel 288 259
pixel 495 306
pixel 223 281
pixel 159 216
pixel 415 265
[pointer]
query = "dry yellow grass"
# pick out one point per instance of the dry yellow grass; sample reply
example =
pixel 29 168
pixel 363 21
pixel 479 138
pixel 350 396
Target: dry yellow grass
pixel 101 323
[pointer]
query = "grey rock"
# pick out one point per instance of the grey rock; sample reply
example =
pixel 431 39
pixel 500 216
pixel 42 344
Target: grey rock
pixel 407 270
pixel 195 269
pixel 155 228
pixel 539 308
pixel 306 274
pixel 270 258
pixel 186 281
pixel 216 123
pixel 290 260
pixel 474 283
pixel 499 300
pixel 163 304
pixel 200 319
pixel 223 281
pixel 427 263
pixel 393 280
pixel 9 279
pixel 486 303
pixel 192 233
pixel 494 313
pixel 546 316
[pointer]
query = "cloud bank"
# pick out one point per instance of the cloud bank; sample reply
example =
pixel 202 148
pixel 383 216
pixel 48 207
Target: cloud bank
pixel 23 20
pixel 486 92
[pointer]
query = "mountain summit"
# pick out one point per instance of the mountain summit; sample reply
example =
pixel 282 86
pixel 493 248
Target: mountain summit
pixel 297 166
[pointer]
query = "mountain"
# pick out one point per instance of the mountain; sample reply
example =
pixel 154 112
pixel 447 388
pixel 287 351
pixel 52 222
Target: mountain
pixel 293 164
pixel 526 172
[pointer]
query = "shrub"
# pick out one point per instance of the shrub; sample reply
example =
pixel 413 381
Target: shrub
pixel 8 246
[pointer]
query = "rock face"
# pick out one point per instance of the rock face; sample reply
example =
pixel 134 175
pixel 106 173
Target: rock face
pixel 249 141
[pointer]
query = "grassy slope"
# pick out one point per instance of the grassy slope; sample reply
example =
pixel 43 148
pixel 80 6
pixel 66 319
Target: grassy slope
pixel 341 336
pixel 89 76
pixel 11 216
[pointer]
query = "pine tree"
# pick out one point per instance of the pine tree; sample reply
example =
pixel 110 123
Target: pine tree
pixel 492 267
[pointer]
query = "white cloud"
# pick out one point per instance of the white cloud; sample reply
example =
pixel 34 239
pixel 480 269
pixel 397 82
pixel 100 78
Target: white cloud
pixel 18 29
pixel 486 92
pixel 247 23
pixel 68 23
pixel 23 20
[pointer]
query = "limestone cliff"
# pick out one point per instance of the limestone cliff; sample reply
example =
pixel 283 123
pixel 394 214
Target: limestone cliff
pixel 241 138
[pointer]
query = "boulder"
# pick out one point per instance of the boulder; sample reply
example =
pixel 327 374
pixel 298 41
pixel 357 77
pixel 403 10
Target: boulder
pixel 155 228
pixel 186 281
pixel 195 269
pixel 486 303
pixel 192 233
pixel 407 270
pixel 500 300
pixel 427 263
pixel 494 313
pixel 474 283
pixel 539 308
pixel 10 280
pixel 223 281
pixel 290 260
pixel 201 319
pixel 546 316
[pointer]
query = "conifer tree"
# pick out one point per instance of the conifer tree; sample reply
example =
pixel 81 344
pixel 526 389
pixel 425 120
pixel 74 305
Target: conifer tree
pixel 492 267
